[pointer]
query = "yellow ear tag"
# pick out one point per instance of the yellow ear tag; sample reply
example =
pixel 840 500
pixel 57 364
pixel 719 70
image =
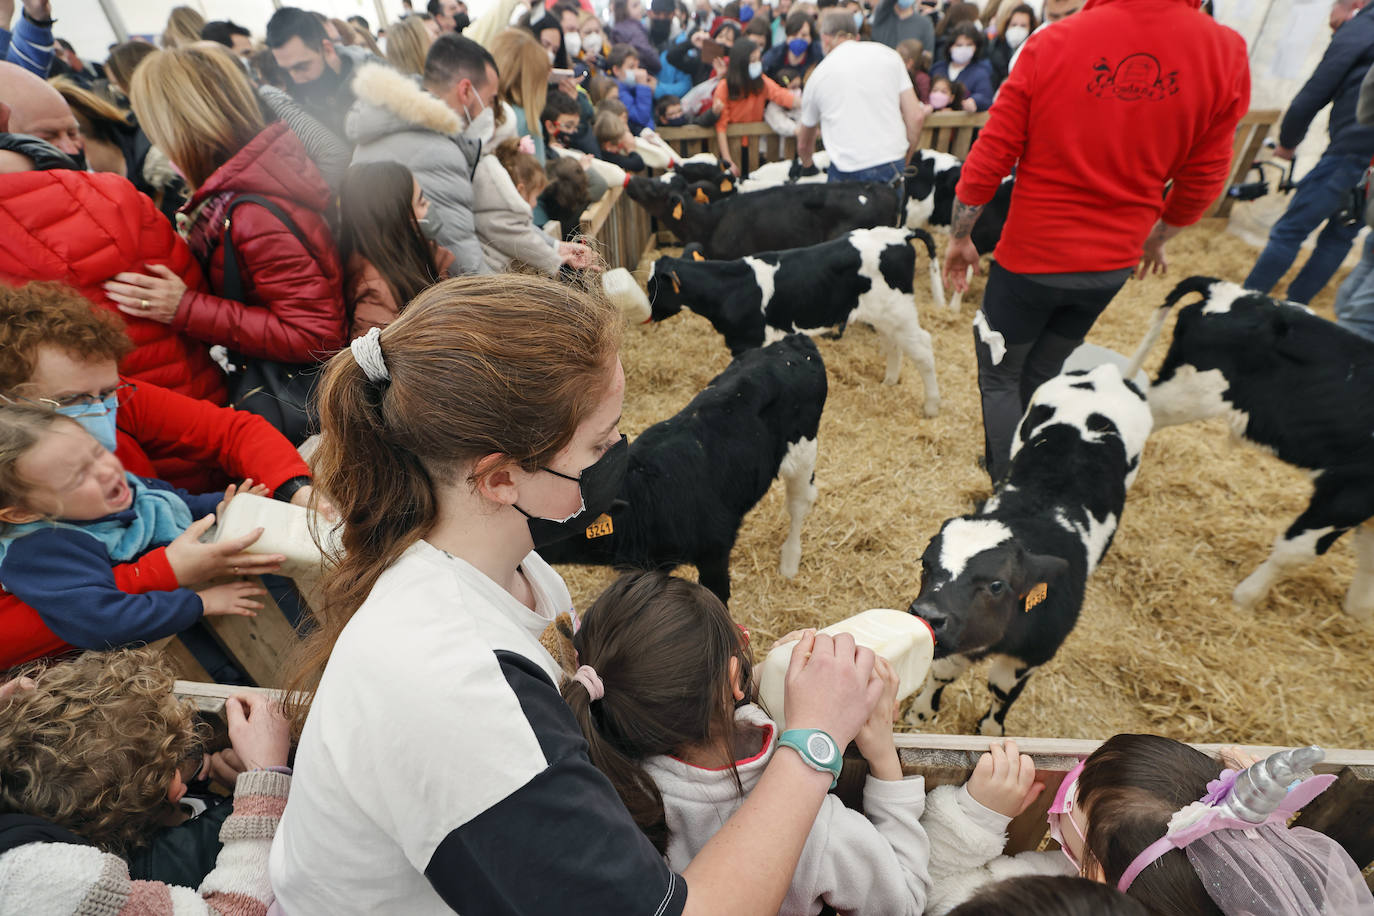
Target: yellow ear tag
pixel 677 286
pixel 725 186
pixel 677 212
pixel 1036 594
pixel 698 256
pixel 701 197
pixel 600 528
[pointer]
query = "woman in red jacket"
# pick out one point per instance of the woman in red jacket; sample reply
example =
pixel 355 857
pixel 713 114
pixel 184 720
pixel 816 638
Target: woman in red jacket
pixel 197 106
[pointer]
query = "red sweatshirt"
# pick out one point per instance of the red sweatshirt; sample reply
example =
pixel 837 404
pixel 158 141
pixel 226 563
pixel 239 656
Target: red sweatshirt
pixel 1102 110
pixel 155 424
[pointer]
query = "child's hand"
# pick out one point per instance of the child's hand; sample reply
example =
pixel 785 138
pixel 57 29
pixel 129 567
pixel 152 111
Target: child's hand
pixel 193 562
pixel 1004 780
pixel 970 105
pixel 875 738
pixel 258 731
pixel 234 489
pixel 1237 759
pixel 233 599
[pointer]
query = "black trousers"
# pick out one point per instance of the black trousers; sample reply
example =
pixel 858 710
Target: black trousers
pixel 1022 335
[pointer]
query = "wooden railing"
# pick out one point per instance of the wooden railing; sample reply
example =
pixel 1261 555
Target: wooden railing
pixel 1342 812
pixel 1251 133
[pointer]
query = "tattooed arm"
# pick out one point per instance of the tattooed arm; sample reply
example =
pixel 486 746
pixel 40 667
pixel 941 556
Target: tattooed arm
pixel 963 220
pixel 1152 260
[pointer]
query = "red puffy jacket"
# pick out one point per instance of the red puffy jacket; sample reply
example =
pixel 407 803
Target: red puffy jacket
pixel 153 426
pixel 295 309
pixel 82 228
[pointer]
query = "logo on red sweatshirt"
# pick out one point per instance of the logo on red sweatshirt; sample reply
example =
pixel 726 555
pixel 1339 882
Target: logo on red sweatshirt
pixel 1138 77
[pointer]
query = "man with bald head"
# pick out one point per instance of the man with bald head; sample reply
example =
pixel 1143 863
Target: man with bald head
pixel 38 110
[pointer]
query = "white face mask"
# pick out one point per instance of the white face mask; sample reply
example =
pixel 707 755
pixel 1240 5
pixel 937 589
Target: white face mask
pixel 572 43
pixel 1016 34
pixel 961 55
pixel 631 76
pixel 755 69
pixel 481 127
pixel 552 56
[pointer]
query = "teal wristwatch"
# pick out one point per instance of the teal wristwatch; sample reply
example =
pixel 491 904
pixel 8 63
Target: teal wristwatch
pixel 818 749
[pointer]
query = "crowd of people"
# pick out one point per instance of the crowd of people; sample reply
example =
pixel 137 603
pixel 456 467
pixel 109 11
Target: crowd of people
pixel 213 248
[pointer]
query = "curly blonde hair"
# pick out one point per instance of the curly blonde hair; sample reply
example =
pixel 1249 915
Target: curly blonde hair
pixel 94 746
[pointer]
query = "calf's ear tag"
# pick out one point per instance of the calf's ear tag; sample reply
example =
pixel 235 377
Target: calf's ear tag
pixel 697 256
pixel 677 285
pixel 701 197
pixel 1036 594
pixel 726 185
pixel 677 211
pixel 601 527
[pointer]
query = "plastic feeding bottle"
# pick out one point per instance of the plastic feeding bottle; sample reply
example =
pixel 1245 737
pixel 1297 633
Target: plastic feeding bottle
pixel 905 640
pixel 286 531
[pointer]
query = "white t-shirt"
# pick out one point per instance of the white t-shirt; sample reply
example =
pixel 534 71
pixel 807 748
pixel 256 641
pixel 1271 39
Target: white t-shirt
pixel 853 96
pixel 440 771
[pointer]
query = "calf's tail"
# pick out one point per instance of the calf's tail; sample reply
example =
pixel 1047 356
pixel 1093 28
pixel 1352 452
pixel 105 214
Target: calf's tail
pixel 1199 285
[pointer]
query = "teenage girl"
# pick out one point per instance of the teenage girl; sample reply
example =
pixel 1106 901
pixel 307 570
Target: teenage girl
pixel 742 95
pixel 69 513
pixel 439 768
pixel 664 700
pixel 387 243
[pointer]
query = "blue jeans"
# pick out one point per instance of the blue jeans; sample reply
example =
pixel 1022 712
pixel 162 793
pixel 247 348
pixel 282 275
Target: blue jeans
pixel 1355 301
pixel 1321 194
pixel 885 172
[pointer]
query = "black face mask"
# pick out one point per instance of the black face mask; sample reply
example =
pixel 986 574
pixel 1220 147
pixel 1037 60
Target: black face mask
pixel 599 483
pixel 676 122
pixel 659 30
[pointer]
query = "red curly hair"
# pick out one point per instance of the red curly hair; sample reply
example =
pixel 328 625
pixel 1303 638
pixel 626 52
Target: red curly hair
pixel 54 314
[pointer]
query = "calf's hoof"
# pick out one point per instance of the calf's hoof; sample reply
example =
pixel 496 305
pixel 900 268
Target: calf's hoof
pixel 891 379
pixel 1360 607
pixel 1249 593
pixel 990 727
pixel 788 567
pixel 931 409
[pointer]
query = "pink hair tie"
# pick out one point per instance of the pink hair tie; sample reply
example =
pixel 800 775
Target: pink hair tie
pixel 526 145
pixel 587 677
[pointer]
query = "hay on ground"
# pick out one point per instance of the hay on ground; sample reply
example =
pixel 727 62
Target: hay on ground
pixel 1159 646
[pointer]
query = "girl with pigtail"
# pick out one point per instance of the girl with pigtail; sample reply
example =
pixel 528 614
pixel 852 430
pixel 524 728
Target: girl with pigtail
pixel 438 767
pixel 663 695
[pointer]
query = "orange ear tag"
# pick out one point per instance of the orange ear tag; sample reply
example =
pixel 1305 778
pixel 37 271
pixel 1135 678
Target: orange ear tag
pixel 600 528
pixel 677 286
pixel 701 197
pixel 677 212
pixel 725 186
pixel 698 256
pixel 1036 594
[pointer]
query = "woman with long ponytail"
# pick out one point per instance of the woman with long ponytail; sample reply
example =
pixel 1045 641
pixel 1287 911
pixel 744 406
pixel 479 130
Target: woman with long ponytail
pixel 439 769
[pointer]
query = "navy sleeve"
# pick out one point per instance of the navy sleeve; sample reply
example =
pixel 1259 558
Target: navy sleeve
pixel 1321 86
pixel 563 843
pixel 66 577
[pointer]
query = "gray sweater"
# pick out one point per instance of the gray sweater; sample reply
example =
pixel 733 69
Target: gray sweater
pixel 876 865
pixel 892 31
pixel 396 120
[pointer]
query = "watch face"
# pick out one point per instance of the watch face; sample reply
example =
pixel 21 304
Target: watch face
pixel 821 748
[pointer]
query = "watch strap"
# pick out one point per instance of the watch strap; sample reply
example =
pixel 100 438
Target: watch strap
pixel 290 488
pixel 800 739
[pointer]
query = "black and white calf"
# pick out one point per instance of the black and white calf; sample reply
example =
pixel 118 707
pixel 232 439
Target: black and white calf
pixel 693 477
pixel 864 276
pixel 1294 384
pixel 791 216
pixel 930 183
pixel 1008 580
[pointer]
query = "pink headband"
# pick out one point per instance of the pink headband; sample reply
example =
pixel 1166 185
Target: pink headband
pixel 1211 813
pixel 587 677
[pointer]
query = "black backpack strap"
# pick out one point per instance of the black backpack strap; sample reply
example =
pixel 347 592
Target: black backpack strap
pixel 233 274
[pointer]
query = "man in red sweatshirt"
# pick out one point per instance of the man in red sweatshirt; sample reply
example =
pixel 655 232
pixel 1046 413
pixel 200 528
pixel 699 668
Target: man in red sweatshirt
pixel 1102 112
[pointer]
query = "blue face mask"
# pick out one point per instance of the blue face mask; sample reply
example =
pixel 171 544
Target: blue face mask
pixel 746 13
pixel 798 46
pixel 100 425
pixel 755 68
pixel 906 4
pixel 858 21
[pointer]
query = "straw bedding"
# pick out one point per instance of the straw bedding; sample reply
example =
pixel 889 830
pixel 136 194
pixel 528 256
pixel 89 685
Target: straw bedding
pixel 1159 646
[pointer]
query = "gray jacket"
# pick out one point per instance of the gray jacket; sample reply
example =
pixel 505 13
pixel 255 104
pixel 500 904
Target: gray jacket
pixel 394 120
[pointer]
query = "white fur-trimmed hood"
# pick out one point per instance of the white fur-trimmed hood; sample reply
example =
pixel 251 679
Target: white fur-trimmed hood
pixel 389 102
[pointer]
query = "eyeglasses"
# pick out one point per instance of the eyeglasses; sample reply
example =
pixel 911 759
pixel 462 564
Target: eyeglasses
pixel 95 404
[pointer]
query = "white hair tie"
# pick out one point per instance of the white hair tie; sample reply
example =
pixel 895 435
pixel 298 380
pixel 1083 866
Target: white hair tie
pixel 367 351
